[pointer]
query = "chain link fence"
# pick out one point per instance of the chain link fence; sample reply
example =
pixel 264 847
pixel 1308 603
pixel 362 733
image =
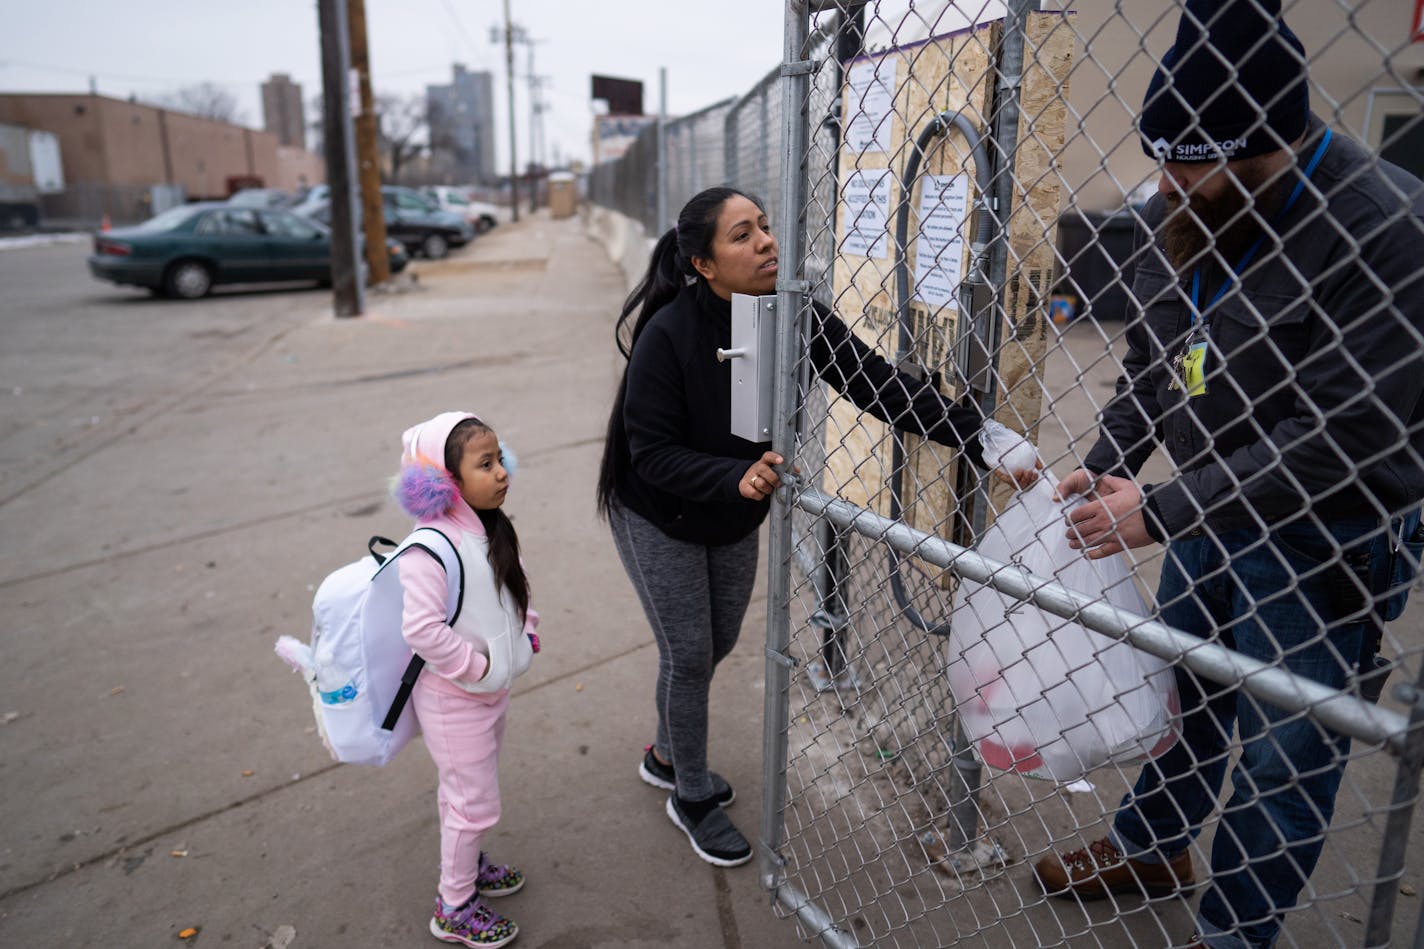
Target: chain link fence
pixel 84 205
pixel 970 726
pixel 694 158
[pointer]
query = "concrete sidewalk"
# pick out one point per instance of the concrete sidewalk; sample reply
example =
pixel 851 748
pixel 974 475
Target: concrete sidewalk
pixel 158 764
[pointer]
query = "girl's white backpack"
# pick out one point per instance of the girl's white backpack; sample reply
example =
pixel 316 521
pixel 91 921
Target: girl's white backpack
pixel 358 665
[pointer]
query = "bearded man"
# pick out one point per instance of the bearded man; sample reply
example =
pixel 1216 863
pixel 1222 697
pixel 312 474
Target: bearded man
pixel 1278 359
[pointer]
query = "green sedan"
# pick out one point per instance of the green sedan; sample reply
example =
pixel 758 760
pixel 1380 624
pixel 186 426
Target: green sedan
pixel 186 251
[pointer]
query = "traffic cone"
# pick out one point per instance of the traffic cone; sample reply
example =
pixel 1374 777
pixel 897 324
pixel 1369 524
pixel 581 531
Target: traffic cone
pixel 104 224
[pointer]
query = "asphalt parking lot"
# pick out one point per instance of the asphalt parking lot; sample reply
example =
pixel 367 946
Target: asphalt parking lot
pixel 175 478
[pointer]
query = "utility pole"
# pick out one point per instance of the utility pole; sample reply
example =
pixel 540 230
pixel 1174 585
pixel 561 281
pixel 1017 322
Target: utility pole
pixel 368 155
pixel 337 139
pixel 509 84
pixel 536 125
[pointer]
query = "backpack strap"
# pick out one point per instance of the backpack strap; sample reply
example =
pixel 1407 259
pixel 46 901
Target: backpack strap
pixel 435 543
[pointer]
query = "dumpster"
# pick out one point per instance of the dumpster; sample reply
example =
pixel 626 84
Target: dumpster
pixel 1095 262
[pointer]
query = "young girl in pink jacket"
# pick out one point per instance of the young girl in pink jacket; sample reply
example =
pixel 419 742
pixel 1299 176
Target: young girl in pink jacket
pixel 454 477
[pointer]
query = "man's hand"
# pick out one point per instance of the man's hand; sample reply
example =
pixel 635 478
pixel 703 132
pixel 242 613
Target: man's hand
pixel 1110 521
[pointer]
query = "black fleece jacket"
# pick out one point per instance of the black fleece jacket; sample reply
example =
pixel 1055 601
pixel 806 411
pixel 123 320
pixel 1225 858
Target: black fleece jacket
pixel 682 465
pixel 1314 380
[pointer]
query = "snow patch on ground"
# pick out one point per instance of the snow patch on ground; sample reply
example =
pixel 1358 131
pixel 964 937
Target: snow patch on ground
pixel 40 240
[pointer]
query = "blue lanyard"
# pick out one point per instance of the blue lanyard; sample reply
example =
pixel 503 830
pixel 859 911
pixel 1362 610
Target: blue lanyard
pixel 1251 251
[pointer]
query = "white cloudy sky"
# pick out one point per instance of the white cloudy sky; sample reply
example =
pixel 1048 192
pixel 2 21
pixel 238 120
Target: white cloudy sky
pixel 149 47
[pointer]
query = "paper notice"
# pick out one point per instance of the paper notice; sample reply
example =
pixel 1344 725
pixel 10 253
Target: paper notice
pixel 870 104
pixel 939 254
pixel 865 209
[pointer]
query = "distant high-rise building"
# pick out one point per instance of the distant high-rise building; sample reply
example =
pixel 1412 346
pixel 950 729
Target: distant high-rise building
pixel 461 117
pixel 282 110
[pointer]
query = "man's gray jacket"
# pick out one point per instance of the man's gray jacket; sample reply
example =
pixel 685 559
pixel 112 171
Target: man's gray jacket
pixel 1315 365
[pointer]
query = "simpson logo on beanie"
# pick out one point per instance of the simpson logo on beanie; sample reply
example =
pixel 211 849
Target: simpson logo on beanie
pixel 1233 85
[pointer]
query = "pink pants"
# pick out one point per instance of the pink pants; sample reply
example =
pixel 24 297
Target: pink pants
pixel 463 732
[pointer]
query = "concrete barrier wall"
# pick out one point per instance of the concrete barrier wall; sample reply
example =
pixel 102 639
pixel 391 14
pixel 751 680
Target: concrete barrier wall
pixel 623 238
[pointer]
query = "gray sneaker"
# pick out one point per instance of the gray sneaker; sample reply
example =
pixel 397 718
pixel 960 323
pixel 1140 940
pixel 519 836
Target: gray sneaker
pixel 714 838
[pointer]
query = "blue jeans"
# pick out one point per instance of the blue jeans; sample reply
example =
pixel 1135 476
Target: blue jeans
pixel 1270 599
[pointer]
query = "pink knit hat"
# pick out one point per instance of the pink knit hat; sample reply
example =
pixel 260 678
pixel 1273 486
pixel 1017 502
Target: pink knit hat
pixel 425 488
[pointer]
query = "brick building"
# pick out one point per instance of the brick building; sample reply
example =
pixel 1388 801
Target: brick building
pixel 116 153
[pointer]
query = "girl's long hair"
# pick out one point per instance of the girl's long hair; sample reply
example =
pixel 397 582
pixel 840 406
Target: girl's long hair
pixel 669 270
pixel 503 541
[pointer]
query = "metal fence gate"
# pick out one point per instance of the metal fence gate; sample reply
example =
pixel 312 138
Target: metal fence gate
pixel 963 188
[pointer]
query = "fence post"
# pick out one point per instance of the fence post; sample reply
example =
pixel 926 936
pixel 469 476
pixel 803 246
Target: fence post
pixel 1008 82
pixel 788 305
pixel 662 210
pixel 1395 843
pixel 790 296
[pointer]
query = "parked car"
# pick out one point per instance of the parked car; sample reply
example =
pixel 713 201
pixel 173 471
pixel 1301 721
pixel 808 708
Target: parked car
pixel 413 220
pixel 261 198
pixel 479 213
pixel 312 198
pixel 186 251
pixel 414 211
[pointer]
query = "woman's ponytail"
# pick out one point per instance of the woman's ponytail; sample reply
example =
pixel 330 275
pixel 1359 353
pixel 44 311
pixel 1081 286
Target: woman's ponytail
pixel 666 276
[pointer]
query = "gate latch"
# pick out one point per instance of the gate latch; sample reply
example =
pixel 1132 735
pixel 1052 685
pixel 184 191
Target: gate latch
pixel 753 361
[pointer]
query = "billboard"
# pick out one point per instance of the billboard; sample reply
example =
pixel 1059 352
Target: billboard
pixel 624 96
pixel 614 134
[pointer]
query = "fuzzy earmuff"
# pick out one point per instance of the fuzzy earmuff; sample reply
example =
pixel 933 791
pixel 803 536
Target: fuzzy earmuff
pixel 509 459
pixel 425 489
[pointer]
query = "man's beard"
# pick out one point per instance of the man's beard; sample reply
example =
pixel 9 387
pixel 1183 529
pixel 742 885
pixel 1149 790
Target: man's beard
pixel 1229 223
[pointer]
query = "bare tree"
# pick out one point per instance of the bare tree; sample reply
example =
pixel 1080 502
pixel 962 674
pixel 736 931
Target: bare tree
pixel 401 129
pixel 205 99
pixel 401 121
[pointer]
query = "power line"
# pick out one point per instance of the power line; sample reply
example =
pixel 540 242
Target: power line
pixel 428 70
pixel 126 77
pixel 464 34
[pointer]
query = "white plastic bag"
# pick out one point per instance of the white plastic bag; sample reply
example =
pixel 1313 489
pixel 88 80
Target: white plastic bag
pixel 1036 693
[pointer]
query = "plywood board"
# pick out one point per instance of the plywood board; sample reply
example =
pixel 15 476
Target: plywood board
pixel 947 73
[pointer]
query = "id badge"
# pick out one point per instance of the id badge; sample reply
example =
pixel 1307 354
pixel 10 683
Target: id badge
pixel 1194 369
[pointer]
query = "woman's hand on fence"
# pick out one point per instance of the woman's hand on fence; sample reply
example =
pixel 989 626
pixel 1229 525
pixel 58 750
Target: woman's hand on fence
pixel 761 478
pixel 1111 520
pixel 1020 477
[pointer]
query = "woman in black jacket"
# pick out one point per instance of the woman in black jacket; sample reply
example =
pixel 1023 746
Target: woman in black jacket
pixel 684 497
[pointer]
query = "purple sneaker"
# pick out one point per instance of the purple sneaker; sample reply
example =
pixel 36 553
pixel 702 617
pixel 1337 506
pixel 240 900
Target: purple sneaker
pixel 498 879
pixel 473 924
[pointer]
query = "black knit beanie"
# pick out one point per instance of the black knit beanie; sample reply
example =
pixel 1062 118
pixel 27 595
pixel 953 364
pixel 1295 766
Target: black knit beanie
pixel 1232 86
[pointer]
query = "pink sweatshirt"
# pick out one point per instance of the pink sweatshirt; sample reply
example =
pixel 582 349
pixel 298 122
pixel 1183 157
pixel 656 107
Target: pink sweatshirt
pixel 445 651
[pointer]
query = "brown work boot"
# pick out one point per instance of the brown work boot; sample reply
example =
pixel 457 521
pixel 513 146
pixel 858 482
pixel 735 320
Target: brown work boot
pixel 1100 869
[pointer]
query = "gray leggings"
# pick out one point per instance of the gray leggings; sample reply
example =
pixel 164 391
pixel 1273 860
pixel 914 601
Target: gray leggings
pixel 694 596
